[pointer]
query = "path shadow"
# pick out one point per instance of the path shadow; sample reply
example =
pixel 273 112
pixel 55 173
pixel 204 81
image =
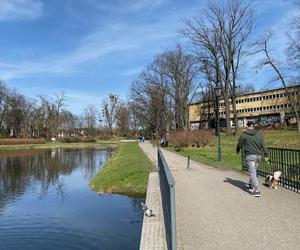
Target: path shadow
pixel 237 183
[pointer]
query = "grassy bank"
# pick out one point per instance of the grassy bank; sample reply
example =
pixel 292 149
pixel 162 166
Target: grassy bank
pixel 125 173
pixel 99 143
pixel 208 155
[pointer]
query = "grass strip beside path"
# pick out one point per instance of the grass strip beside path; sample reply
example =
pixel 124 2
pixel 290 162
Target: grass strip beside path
pixel 125 173
pixel 208 154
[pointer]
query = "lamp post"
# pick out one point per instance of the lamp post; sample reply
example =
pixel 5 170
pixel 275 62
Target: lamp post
pixel 218 94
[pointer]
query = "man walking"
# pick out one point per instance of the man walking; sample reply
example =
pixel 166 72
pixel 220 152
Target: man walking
pixel 253 144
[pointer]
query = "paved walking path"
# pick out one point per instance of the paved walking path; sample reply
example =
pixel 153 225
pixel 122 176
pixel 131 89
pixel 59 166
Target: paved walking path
pixel 215 211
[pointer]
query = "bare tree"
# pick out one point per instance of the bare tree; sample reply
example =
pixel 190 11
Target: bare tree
pixel 90 114
pixel 218 37
pixel 3 105
pixel 181 71
pixel 49 113
pixel 262 47
pixel 236 26
pixel 293 50
pixel 59 103
pixel 122 119
pixel 135 122
pixel 68 122
pixel 109 109
pixel 203 37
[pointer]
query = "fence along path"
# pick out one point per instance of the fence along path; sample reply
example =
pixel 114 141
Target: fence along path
pixel 215 211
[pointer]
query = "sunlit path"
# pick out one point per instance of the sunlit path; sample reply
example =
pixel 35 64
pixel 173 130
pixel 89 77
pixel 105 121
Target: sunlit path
pixel 215 211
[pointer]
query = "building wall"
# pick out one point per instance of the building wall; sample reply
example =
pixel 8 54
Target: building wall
pixel 266 106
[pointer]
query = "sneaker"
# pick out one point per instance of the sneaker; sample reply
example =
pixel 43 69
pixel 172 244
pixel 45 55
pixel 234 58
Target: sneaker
pixel 256 194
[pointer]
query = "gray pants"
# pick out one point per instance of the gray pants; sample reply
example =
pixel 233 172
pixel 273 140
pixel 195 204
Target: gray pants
pixel 253 162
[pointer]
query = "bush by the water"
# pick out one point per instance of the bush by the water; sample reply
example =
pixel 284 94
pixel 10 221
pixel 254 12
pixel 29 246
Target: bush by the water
pixel 75 139
pixel 197 138
pixel 17 141
pixel 89 139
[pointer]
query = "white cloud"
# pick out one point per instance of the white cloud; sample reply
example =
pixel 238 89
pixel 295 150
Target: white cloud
pixel 20 9
pixel 126 38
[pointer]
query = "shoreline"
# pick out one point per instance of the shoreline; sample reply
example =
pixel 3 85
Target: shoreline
pixel 125 173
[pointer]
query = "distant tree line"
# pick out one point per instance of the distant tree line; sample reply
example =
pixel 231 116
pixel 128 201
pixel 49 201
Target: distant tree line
pixel 21 116
pixel 47 117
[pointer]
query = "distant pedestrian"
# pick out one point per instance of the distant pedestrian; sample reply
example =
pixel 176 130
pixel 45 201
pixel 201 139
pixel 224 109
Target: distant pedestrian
pixel 143 139
pixel 253 145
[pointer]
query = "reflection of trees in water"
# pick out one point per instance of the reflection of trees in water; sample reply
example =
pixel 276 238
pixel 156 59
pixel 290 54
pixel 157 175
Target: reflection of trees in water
pixel 45 167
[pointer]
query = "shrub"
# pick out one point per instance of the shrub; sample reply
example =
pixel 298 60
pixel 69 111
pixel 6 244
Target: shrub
pixel 17 141
pixel 196 138
pixel 68 139
pixel 89 139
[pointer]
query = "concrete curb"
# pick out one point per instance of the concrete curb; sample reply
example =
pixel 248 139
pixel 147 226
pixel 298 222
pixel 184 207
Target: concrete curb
pixel 153 231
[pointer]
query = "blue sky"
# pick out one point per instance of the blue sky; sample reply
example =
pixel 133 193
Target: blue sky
pixel 89 48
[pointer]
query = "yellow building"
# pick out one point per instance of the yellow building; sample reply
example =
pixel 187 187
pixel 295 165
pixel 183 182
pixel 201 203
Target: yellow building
pixel 263 107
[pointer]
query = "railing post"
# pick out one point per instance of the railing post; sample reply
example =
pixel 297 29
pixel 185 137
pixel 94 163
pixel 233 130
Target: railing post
pixel 282 166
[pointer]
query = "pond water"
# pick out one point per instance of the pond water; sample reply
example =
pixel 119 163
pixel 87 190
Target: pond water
pixel 46 203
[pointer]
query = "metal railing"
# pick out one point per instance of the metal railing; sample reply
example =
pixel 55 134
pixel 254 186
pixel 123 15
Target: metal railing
pixel 167 187
pixel 285 160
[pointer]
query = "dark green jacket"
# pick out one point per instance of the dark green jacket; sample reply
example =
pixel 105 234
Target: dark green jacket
pixel 252 142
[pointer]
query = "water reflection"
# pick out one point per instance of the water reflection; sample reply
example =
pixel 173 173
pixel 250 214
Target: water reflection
pixel 21 170
pixel 45 203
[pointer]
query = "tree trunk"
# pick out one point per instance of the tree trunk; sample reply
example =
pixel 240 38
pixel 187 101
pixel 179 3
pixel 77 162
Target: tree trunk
pixel 236 129
pixel 227 111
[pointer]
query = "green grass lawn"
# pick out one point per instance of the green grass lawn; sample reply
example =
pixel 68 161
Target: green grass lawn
pixel 208 155
pixel 125 173
pixel 99 143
